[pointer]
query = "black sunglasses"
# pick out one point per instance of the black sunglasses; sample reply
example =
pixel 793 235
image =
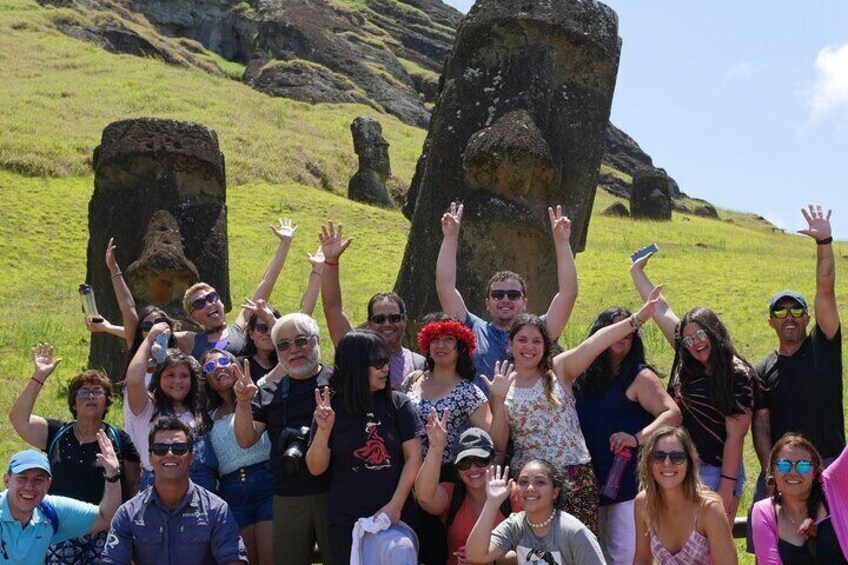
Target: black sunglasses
pixel 379 363
pixel 466 462
pixel 162 449
pixel 299 341
pixel 261 328
pixel 500 294
pixel 393 318
pixel 199 303
pixel 677 457
pixel 147 325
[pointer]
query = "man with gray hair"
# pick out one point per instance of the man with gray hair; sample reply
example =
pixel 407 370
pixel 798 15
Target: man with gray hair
pixel 284 407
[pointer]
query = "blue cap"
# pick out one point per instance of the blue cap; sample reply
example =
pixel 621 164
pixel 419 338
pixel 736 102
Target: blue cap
pixel 29 459
pixel 796 296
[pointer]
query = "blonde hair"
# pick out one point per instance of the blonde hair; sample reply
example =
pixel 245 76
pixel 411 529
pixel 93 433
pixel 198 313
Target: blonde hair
pixel 191 290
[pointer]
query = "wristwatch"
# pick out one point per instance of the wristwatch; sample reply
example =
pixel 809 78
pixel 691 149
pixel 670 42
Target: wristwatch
pixel 114 479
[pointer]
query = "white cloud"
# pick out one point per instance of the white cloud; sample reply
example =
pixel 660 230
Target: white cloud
pixel 830 89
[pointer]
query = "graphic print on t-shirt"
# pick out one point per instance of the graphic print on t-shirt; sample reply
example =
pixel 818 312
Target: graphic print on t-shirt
pixel 373 454
pixel 540 556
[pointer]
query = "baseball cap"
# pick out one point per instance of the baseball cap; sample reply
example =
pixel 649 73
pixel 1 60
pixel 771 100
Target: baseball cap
pixel 796 296
pixel 29 459
pixel 473 442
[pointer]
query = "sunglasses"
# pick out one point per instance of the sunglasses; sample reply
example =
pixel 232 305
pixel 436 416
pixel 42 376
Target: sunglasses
pixel 299 341
pixel 677 457
pixel 697 337
pixel 199 303
pixel 261 328
pixel 85 394
pixel 803 466
pixel 393 318
pixel 795 312
pixel 162 449
pixel 379 363
pixel 147 325
pixel 480 462
pixel 212 365
pixel 501 294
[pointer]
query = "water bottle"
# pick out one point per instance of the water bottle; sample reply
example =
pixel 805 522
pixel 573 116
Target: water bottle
pixel 88 304
pixel 619 463
pixel 159 349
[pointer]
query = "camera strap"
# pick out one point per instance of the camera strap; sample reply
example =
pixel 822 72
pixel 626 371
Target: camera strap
pixel 285 388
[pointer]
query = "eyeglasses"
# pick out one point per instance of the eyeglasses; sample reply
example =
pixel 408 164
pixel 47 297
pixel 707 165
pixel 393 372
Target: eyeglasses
pixel 299 341
pixel 795 312
pixel 147 325
pixel 697 337
pixel 677 457
pixel 501 294
pixel 261 328
pixel 379 363
pixel 212 365
pixel 86 393
pixel 393 318
pixel 162 449
pixel 199 303
pixel 466 462
pixel 803 466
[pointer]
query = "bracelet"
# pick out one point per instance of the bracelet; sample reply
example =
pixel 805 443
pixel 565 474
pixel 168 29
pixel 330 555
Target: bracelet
pixel 636 439
pixel 40 383
pixel 330 262
pixel 314 272
pixel 635 322
pixel 729 478
pixel 118 274
pixel 114 479
pixel 824 241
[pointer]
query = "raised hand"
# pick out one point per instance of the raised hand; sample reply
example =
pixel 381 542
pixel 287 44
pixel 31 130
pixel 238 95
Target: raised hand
pixel 437 428
pixel 285 231
pixel 244 387
pixel 333 243
pixel 260 308
pixel 650 306
pixel 498 485
pixel 317 261
pixel 560 225
pixel 96 327
pixel 325 417
pixel 111 262
pixel 501 380
pixel 42 359
pixel 640 263
pixel 451 220
pixel 818 223
pixel 107 457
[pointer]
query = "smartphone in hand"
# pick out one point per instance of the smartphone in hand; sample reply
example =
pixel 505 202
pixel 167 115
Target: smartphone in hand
pixel 644 251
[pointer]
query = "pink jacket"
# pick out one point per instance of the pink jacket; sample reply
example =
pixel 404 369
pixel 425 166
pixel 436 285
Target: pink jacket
pixel 764 520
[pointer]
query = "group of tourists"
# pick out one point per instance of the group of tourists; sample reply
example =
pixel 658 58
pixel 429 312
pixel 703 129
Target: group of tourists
pixel 489 446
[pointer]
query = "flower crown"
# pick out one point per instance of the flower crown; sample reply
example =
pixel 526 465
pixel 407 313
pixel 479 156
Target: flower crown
pixel 446 327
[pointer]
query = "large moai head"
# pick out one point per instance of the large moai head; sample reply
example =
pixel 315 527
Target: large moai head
pixel 518 126
pixel 369 183
pixel 650 195
pixel 160 192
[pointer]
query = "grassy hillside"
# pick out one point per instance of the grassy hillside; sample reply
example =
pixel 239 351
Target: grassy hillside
pixel 291 159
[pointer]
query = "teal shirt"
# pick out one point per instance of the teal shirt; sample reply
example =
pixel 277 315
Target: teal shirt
pixel 25 546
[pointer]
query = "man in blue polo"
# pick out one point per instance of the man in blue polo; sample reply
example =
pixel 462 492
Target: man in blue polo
pixel 174 521
pixel 31 520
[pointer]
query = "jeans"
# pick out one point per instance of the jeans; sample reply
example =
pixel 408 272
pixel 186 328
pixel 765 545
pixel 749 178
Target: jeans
pixel 711 476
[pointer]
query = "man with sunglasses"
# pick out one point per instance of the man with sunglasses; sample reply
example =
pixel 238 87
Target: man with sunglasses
pixel 284 407
pixel 174 520
pixel 506 292
pixel 801 382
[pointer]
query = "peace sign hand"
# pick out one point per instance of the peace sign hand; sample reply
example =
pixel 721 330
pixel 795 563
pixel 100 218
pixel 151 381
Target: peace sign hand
pixel 501 381
pixel 560 225
pixel 244 388
pixel 437 428
pixel 325 417
pixel 498 485
pixel 451 220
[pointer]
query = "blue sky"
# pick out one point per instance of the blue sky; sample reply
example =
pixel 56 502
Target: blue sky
pixel 744 103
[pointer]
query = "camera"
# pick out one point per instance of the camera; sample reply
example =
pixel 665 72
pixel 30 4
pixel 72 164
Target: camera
pixel 294 441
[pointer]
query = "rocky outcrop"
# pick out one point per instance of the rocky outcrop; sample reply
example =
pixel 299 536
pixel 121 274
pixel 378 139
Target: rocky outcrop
pixel 369 183
pixel 650 198
pixel 623 153
pixel 616 210
pixel 518 126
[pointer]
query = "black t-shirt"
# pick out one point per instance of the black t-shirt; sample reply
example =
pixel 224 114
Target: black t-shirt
pixel 367 459
pixel 76 473
pixel 803 393
pixel 279 413
pixel 257 371
pixel 702 418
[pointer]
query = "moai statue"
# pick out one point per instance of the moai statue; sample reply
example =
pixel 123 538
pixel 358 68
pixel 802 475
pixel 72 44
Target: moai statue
pixel 160 192
pixel 650 195
pixel 368 185
pixel 518 126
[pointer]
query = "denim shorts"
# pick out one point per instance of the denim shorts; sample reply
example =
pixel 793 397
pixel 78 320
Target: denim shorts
pixel 711 476
pixel 249 492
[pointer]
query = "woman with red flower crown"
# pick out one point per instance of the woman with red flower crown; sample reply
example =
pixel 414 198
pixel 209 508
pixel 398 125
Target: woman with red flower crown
pixel 370 436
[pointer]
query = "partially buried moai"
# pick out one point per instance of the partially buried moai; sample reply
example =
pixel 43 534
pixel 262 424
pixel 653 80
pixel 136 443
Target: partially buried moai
pixel 368 185
pixel 160 192
pixel 518 126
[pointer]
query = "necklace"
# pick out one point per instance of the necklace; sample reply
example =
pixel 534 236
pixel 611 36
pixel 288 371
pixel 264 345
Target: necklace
pixel 543 524
pixel 789 515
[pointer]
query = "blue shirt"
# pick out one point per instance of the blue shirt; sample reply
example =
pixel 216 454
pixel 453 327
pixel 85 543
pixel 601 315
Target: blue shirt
pixel 200 531
pixel 28 545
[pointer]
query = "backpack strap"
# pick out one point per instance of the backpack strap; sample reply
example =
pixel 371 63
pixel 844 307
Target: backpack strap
pixel 49 511
pixel 59 433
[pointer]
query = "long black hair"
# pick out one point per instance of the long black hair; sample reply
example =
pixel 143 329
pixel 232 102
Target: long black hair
pixel 354 354
pixel 213 397
pixel 195 400
pixel 599 377
pixel 250 348
pixel 722 365
pixel 465 367
pixel 138 336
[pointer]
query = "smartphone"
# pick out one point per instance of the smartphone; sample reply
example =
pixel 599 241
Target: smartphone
pixel 644 251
